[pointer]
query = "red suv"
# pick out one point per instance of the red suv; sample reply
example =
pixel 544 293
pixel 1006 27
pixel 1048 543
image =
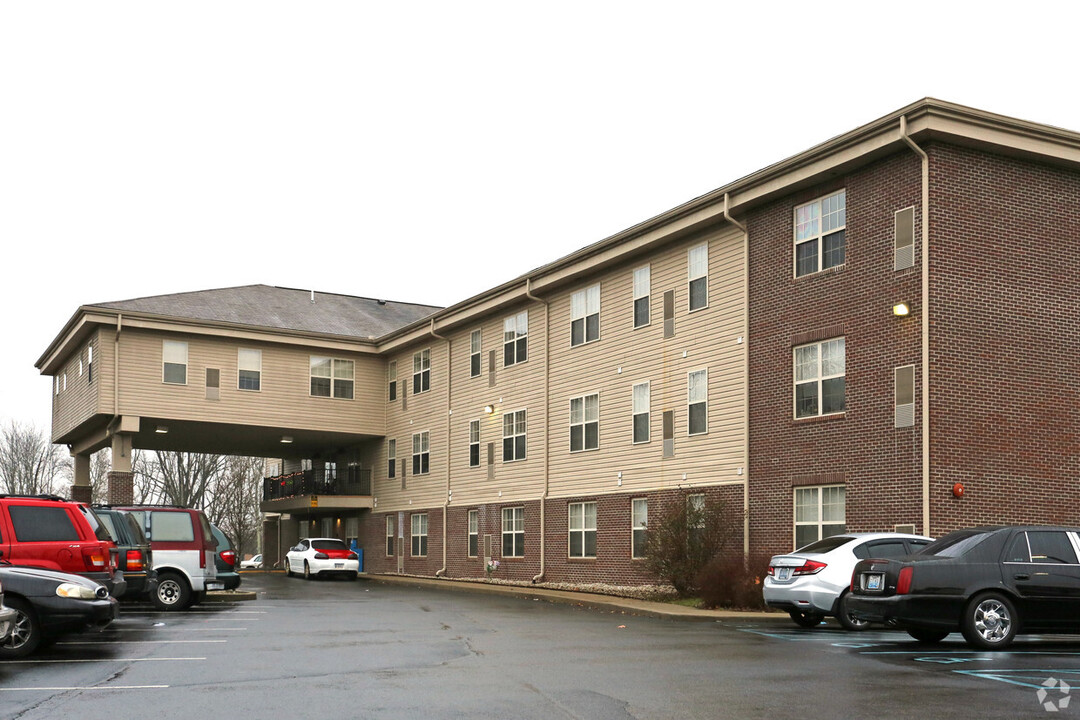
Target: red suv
pixel 46 531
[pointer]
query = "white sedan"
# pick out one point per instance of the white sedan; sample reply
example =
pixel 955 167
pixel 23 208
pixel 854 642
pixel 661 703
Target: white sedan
pixel 321 556
pixel 255 562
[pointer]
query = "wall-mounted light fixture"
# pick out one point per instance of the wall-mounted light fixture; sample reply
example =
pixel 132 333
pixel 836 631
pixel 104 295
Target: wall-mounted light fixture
pixel 286 439
pixel 489 409
pixel 162 429
pixel 901 309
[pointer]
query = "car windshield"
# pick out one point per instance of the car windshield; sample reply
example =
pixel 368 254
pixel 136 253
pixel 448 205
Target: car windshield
pixel 955 544
pixel 826 544
pixel 328 545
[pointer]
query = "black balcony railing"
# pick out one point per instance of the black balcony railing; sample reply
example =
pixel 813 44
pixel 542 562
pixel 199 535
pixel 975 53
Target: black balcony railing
pixel 350 481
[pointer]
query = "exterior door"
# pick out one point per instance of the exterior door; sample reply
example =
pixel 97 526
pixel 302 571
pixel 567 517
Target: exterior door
pixel 1042 565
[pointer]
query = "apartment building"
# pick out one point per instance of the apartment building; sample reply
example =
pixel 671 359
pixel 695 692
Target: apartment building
pixel 869 335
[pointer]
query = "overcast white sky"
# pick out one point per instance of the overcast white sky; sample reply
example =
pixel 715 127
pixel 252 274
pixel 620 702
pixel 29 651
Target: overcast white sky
pixel 426 151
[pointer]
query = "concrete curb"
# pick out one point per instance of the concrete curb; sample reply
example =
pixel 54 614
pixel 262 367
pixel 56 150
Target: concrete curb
pixel 609 603
pixel 228 596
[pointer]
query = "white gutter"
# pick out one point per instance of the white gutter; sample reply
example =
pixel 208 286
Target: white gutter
pixel 446 501
pixel 925 313
pixel 746 374
pixel 547 425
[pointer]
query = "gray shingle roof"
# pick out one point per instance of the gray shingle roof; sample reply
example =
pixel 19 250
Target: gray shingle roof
pixel 282 308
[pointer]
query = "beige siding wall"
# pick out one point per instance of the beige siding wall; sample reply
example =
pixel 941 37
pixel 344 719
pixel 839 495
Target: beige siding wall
pixel 77 401
pixel 623 357
pixel 284 398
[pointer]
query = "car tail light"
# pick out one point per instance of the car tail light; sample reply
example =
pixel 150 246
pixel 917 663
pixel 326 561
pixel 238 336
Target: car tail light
pixel 810 567
pixel 903 583
pixel 133 560
pixel 229 556
pixel 353 556
pixel 321 556
pixel 771 572
pixel 94 558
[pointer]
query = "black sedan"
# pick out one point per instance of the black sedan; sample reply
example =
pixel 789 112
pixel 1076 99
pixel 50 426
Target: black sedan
pixel 49 603
pixel 990 583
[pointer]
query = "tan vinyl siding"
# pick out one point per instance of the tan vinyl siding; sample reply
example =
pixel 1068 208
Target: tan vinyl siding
pixel 709 339
pixel 284 397
pixel 80 401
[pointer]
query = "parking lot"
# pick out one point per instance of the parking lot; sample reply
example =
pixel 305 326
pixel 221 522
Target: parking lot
pixel 364 649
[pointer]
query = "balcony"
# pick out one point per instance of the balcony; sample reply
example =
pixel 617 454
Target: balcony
pixel 310 491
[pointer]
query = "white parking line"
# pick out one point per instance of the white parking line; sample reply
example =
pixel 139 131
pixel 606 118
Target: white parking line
pixel 99 660
pixel 138 642
pixel 177 628
pixel 85 687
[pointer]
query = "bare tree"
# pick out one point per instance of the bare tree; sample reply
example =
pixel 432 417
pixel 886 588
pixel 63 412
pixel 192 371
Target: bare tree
pixel 100 464
pixel 179 478
pixel 236 502
pixel 29 463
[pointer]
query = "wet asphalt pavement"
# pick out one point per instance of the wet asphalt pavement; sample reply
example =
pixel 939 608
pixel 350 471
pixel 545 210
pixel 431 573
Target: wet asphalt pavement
pixel 343 649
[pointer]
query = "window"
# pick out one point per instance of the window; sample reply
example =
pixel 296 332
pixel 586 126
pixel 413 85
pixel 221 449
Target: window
pixel 392 373
pixel 352 531
pixel 419 535
pixel 585 423
pixel 42 524
pixel 474 353
pixel 641 296
pixel 474 443
pixel 249 369
pixel 474 533
pixel 331 377
pixel 1051 547
pixel 819 378
pixel 513 532
pixel 697 272
pixel 514 436
pixel 420 454
pixel 80 367
pixel 421 371
pixel 819 234
pixel 174 356
pixel 639 516
pixel 89 363
pixel 582 523
pixel 391 455
pixel 641 413
pixel 65 381
pixel 695 519
pixel 516 339
pixel 585 316
pixel 389 536
pixel 819 513
pixel 697 401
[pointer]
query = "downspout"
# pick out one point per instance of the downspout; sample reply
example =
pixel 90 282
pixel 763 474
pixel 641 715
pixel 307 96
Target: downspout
pixel 446 501
pixel 746 375
pixel 547 425
pixel 925 323
pixel 116 371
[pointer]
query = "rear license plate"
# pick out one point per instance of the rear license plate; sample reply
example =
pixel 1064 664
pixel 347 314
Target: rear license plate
pixel 783 573
pixel 874 582
pixel 338 566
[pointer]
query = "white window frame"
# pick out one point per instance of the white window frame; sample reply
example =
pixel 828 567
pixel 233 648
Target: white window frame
pixel 476 351
pixel 642 282
pixel 516 338
pixel 257 369
pixel 339 378
pixel 473 540
pixel 698 399
pixel 392 384
pixel 637 411
pixel 418 534
pixel 515 529
pixel 811 228
pixel 352 530
pixel 65 382
pixel 389 536
pixel 585 304
pixel 818 522
pixel 80 367
pixel 391 458
pixel 421 446
pixel 518 428
pixel 421 362
pixel 819 378
pixel 697 269
pixel 639 519
pixel 89 363
pixel 474 442
pixel 176 346
pixel 582 420
pixel 583 529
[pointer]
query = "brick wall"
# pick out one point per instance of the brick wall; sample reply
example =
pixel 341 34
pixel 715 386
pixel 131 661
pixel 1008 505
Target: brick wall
pixel 879 465
pixel 1005 412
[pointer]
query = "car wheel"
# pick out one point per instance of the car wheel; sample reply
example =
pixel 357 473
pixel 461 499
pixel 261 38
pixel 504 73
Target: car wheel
pixel 805 619
pixel 288 570
pixel 990 621
pixel 925 635
pixel 172 593
pixel 26 635
pixel 307 572
pixel 849 621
